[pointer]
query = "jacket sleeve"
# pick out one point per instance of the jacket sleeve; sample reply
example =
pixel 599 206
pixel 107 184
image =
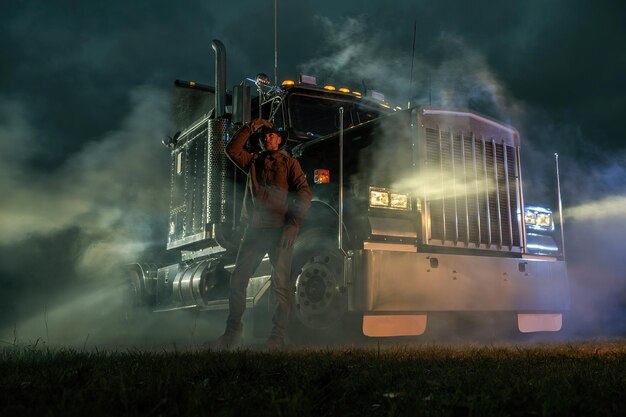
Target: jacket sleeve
pixel 235 148
pixel 300 195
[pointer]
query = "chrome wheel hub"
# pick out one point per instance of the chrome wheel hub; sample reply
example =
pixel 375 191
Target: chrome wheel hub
pixel 317 292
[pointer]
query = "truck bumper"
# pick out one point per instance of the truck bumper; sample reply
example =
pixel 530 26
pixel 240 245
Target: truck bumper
pixel 396 282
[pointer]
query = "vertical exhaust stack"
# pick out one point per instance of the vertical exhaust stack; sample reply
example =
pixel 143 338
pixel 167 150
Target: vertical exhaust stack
pixel 220 77
pixel 201 174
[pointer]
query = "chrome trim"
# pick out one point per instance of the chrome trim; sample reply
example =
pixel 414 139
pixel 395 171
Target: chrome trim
pixel 558 190
pixel 495 177
pixel 521 199
pixel 508 194
pixel 390 247
pixel 456 209
pixel 443 199
pixel 467 230
pixel 340 239
pixel 480 236
pixel 384 226
pixel 472 115
pixel 487 209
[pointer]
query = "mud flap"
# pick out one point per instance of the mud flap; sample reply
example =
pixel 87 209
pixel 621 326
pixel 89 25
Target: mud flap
pixel 529 323
pixel 394 325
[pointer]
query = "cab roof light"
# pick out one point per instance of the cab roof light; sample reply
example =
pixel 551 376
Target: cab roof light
pixel 385 105
pixel 329 87
pixel 356 93
pixel 344 90
pixel 307 80
pixel 288 83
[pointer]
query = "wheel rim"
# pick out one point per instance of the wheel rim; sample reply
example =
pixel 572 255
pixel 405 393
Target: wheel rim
pixel 318 298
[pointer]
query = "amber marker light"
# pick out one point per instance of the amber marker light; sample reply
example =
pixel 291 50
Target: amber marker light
pixel 329 87
pixel 344 90
pixel 321 176
pixel 288 83
pixel 356 93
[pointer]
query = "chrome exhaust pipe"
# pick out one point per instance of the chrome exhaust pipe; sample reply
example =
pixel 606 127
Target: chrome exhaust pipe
pixel 220 78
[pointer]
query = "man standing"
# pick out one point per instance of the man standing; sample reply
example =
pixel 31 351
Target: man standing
pixel 277 199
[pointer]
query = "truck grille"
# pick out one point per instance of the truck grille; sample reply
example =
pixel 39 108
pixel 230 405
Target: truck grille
pixel 472 200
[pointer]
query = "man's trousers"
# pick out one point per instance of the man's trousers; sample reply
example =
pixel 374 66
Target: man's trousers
pixel 255 244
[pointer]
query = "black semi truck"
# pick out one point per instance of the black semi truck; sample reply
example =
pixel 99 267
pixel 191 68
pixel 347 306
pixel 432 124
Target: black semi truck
pixel 415 212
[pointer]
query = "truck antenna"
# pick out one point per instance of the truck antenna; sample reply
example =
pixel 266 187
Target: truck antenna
pixel 430 90
pixel 412 60
pixel 275 42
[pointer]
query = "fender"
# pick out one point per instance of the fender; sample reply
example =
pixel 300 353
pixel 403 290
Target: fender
pixel 322 214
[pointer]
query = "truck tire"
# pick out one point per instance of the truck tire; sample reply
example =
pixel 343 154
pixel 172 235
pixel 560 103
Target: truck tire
pixel 319 299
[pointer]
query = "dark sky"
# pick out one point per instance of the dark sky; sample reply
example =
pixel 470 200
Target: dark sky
pixel 84 101
pixel 73 65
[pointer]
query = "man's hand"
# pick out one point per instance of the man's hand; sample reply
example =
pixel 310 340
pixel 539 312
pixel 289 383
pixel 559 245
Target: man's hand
pixel 256 124
pixel 290 233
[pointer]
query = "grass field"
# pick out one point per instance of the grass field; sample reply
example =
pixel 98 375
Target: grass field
pixel 585 379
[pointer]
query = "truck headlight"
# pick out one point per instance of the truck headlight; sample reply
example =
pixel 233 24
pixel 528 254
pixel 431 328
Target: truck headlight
pixel 538 218
pixel 383 198
pixel 399 201
pixel 379 198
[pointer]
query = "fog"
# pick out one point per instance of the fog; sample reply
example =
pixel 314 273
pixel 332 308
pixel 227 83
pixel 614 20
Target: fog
pixel 104 207
pixel 66 231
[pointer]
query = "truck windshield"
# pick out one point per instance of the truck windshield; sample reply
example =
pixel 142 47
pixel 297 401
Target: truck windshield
pixel 315 116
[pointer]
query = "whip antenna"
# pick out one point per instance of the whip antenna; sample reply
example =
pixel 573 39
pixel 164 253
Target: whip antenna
pixel 275 42
pixel 412 60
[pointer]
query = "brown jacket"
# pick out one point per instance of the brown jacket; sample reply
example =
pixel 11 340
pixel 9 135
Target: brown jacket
pixel 276 185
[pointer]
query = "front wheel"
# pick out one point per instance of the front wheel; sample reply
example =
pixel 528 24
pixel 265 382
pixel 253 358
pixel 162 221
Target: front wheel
pixel 319 297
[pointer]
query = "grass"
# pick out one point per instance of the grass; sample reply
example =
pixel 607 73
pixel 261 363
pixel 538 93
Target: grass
pixel 439 380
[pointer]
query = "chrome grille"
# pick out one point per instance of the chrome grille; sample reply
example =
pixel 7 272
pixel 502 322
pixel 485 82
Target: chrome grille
pixel 472 198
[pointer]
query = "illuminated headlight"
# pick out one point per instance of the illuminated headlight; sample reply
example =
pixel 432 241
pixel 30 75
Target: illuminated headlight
pixel 380 197
pixel 538 218
pixel 399 201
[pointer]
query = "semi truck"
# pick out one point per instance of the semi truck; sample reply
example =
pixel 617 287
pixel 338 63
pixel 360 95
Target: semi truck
pixel 416 211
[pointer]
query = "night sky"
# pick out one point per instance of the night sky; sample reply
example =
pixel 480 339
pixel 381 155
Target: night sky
pixel 84 103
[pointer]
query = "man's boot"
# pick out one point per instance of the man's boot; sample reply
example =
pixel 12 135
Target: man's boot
pixel 229 340
pixel 275 342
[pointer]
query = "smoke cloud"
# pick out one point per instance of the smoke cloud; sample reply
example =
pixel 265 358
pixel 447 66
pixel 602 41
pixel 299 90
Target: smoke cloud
pixel 104 207
pixel 446 73
pixel 109 184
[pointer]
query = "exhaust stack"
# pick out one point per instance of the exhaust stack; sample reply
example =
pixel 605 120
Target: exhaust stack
pixel 220 78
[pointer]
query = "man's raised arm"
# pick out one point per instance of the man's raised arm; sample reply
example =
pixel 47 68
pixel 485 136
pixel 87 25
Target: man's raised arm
pixel 235 148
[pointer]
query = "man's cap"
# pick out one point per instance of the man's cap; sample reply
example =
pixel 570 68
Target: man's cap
pixel 263 130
